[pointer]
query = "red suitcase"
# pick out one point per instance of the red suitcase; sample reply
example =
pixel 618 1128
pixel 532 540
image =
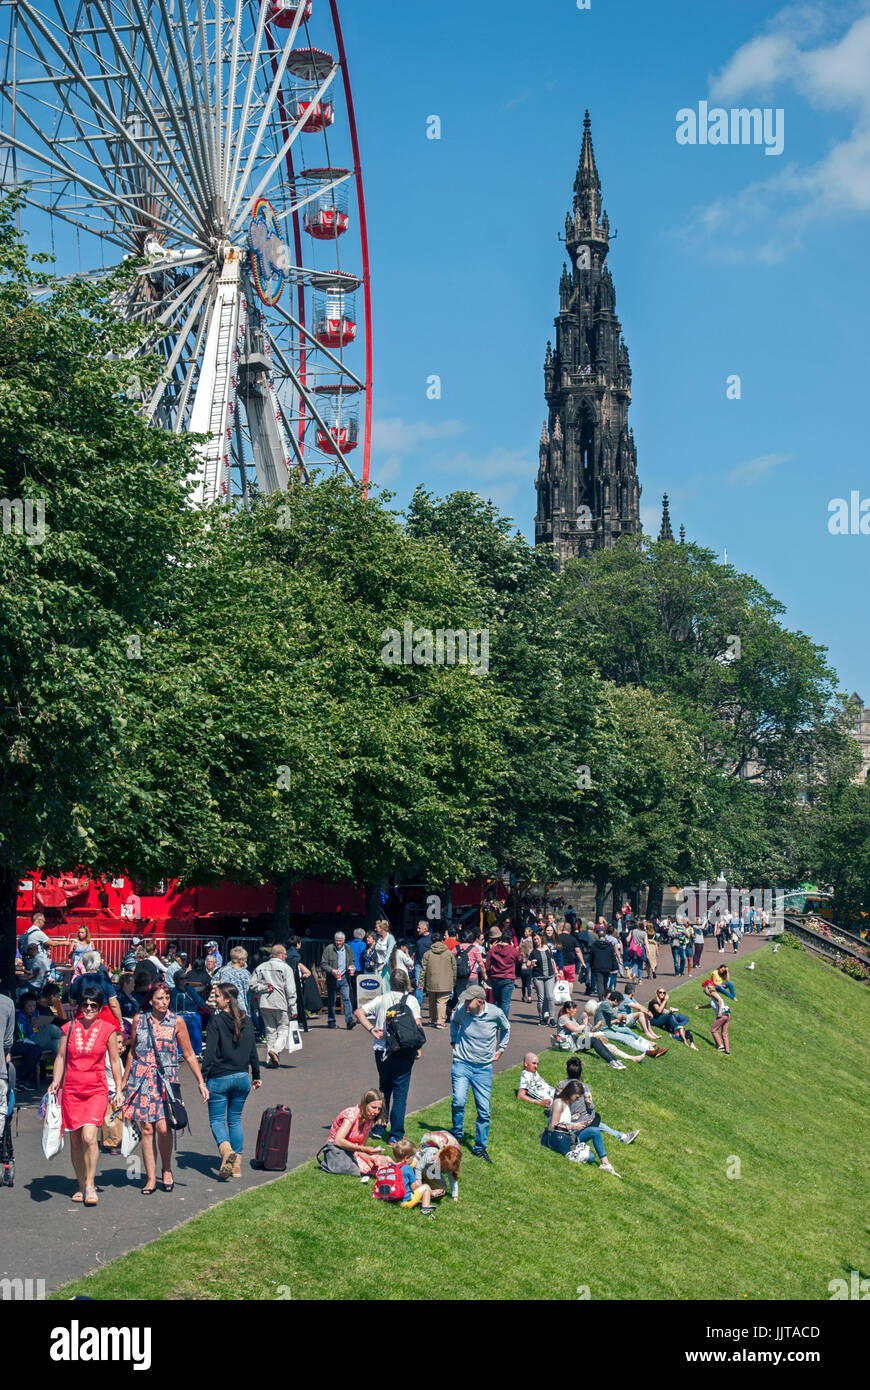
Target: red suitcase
pixel 273 1139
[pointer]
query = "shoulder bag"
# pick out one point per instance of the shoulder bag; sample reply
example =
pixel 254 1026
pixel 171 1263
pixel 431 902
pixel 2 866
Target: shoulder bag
pixel 173 1106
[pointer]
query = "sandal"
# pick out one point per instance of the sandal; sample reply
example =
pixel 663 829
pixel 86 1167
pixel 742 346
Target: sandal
pixel 149 1191
pixel 78 1196
pixel 226 1169
pixel 96 1198
pixel 168 1186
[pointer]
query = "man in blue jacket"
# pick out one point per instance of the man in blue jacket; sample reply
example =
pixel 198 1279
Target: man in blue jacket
pixel 479 1034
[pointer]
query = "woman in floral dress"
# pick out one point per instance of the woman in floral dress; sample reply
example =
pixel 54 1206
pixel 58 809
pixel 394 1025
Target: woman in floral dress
pixel 144 1089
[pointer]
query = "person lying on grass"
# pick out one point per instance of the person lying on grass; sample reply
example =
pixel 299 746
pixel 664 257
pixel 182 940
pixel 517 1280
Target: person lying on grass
pixel 533 1087
pixel 583 1108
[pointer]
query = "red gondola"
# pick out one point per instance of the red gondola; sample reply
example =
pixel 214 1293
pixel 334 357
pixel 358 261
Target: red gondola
pixel 282 13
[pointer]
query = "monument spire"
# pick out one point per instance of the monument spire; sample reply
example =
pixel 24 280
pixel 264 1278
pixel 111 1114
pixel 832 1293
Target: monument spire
pixel 588 493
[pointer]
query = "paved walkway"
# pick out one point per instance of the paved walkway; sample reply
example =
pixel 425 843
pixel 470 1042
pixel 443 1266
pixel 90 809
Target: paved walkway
pixel 45 1236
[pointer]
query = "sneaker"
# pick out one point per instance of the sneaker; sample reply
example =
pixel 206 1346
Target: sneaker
pixel 430 1211
pixel 481 1153
pixel 365 1178
pixel 657 1052
pixel 618 1066
pixel 631 1136
pixel 351 1023
pixel 378 1132
pixel 607 1167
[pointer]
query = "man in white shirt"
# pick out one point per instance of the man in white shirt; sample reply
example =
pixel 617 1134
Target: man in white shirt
pixel 274 984
pixel 532 1086
pixel 394 1068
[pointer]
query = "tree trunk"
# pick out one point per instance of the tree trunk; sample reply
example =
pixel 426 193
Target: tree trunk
pixel 8 926
pixel 284 888
pixel 656 898
pixel 374 906
pixel 600 894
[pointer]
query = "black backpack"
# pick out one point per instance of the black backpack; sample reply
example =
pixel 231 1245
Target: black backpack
pixel 402 1032
pixel 463 967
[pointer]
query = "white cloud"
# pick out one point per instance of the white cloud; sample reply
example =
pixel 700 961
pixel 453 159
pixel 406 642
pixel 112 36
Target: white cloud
pixel 394 439
pixel 770 218
pixel 754 469
pixel 503 476
pixel 402 436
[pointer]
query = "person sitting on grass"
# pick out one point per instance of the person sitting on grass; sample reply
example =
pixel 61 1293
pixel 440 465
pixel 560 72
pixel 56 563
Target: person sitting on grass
pixel 562 1133
pixel 637 1014
pixel 439 1154
pixel 351 1129
pixel 569 1035
pixel 583 1108
pixel 722 980
pixel 533 1087
pixel 719 1026
pixel 417 1192
pixel 672 1022
pixel 612 1016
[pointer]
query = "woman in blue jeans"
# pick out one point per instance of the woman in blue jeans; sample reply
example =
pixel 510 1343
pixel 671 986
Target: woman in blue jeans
pixel 230 1054
pixel 668 1018
pixel 562 1127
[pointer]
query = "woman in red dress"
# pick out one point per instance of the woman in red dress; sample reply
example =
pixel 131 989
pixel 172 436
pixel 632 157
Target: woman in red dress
pixel 80 1076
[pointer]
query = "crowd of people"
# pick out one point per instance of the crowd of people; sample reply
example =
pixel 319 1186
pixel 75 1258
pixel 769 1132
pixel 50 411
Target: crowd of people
pixel 113 1054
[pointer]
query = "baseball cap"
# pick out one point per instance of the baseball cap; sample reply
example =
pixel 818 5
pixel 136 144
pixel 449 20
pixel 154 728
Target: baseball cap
pixel 473 992
pixel 135 941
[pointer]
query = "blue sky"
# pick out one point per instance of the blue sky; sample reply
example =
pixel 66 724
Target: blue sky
pixel 727 261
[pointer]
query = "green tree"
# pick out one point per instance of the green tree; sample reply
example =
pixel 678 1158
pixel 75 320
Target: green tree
pixel 546 714
pixel 85 595
pixel 841 847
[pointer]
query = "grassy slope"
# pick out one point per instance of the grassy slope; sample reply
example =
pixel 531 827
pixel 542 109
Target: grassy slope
pixel 791 1103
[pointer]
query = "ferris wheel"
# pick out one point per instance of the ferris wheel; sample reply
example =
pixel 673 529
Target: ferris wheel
pixel 218 145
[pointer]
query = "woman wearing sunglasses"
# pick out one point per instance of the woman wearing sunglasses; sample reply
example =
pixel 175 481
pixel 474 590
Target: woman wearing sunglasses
pixel 80 1077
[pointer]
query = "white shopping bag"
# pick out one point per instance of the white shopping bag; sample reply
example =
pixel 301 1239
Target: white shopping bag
pixel 562 992
pixel 294 1037
pixel 130 1138
pixel 52 1127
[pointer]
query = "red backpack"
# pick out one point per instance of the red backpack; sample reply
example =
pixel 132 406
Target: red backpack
pixel 389 1184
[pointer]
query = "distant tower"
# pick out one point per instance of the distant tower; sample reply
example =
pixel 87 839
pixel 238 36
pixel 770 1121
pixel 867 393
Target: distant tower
pixel 588 493
pixel 666 534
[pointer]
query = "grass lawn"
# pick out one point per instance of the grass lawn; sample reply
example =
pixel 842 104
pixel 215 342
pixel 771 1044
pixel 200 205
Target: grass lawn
pixel 790 1105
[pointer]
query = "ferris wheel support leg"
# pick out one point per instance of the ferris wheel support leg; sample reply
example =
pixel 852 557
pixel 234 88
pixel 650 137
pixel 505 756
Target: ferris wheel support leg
pixel 211 413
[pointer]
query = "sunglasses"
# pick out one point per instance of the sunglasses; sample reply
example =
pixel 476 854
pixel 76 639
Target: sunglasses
pixel 88 1005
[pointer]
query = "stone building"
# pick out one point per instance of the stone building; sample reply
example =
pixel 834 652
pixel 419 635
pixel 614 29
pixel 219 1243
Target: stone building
pixel 588 492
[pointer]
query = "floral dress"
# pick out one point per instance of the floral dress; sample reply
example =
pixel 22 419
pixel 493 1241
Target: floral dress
pixel 144 1094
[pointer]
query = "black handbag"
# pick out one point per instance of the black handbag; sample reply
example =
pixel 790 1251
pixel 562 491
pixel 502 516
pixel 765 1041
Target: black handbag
pixel 561 1141
pixel 173 1106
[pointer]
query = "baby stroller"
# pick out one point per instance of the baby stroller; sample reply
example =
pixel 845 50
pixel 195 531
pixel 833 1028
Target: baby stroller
pixel 7 1110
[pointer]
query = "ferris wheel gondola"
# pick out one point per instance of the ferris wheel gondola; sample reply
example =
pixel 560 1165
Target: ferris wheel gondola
pixel 169 130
